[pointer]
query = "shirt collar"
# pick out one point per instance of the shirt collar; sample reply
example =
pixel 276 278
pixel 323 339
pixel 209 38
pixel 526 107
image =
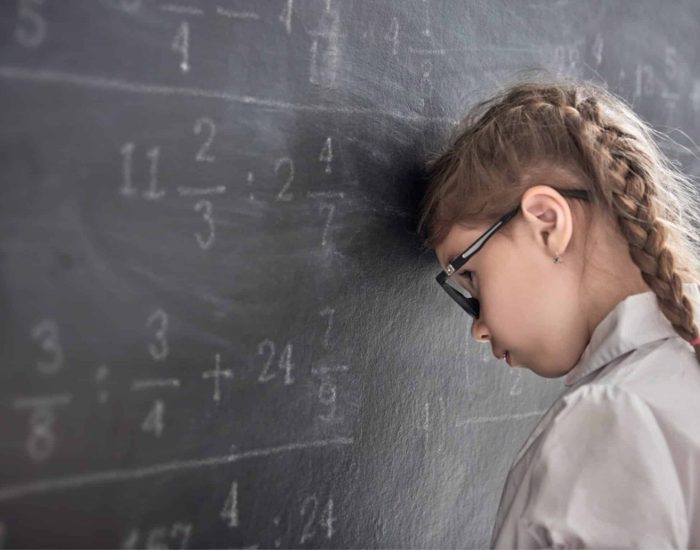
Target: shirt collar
pixel 635 321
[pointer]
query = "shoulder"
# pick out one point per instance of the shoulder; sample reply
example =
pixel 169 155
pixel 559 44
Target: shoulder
pixel 603 401
pixel 662 363
pixel 606 447
pixel 600 473
pixel 603 420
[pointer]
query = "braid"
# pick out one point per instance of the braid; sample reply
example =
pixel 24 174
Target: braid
pixel 593 136
pixel 633 199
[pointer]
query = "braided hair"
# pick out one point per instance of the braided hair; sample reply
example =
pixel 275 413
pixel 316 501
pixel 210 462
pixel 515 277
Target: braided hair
pixel 588 138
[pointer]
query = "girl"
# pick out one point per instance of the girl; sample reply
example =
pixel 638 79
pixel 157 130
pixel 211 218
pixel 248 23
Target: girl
pixel 571 241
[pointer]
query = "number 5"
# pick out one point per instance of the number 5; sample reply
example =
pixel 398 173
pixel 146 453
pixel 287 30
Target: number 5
pixel 32 34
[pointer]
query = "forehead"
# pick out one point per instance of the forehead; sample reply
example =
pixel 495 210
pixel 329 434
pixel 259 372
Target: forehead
pixel 457 241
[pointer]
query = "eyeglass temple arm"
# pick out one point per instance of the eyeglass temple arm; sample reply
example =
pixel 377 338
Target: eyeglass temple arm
pixel 462 259
pixel 473 249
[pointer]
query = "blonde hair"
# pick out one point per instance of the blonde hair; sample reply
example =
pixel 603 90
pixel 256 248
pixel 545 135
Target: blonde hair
pixel 581 136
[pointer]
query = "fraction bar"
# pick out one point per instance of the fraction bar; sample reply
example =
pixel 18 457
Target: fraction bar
pixel 42 401
pixel 155 383
pixel 194 191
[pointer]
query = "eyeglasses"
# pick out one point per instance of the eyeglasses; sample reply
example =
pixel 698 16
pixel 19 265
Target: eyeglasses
pixel 467 303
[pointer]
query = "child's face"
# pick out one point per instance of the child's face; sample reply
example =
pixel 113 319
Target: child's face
pixel 544 313
pixel 529 307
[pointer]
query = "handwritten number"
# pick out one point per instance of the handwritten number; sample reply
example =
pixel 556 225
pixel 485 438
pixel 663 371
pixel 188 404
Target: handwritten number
pixel 205 125
pixel 230 510
pixel 31 26
pixel 206 206
pixel 265 375
pixel 46 333
pixel 285 194
pixel 159 318
pixel 41 438
pixel 154 420
pixel 181 45
pixel 308 532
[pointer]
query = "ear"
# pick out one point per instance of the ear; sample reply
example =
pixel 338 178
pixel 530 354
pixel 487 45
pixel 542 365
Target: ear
pixel 549 218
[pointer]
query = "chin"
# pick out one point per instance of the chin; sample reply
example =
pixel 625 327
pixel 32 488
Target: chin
pixel 545 373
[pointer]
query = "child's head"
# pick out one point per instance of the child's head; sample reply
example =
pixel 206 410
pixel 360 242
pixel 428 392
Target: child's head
pixel 548 276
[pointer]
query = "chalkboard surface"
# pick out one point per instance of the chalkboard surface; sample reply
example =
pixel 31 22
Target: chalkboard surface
pixel 218 329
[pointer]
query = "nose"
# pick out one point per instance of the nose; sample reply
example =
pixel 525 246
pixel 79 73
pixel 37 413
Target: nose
pixel 479 331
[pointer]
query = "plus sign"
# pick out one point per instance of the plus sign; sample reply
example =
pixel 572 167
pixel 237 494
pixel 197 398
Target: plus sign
pixel 216 374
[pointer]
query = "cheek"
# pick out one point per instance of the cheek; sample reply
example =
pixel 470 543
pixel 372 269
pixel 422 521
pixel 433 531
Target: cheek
pixel 519 299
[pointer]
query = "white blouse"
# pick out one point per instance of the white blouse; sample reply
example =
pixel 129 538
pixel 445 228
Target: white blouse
pixel 615 461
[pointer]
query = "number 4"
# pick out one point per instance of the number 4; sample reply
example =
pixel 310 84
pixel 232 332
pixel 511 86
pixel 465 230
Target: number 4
pixel 230 510
pixel 154 421
pixel 327 155
pixel 181 44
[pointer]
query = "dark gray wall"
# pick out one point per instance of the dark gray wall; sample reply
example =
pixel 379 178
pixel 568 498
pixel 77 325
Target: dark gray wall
pixel 233 184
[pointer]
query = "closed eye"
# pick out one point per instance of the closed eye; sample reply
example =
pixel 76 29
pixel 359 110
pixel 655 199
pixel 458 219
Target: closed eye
pixel 467 278
pixel 466 274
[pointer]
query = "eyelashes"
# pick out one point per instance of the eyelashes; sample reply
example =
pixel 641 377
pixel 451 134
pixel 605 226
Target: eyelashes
pixel 466 274
pixel 467 277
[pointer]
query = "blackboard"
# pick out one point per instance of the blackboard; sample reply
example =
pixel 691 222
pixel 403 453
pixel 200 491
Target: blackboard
pixel 218 327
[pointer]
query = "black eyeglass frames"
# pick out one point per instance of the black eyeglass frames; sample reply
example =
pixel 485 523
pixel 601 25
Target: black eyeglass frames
pixel 467 303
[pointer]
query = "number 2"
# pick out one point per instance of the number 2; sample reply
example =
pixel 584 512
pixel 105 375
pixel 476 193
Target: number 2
pixel 284 194
pixel 200 125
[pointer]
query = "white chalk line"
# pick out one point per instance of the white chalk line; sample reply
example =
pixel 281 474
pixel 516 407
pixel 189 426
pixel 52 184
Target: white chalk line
pixel 119 85
pixel 194 191
pixel 326 370
pixel 236 14
pixel 184 10
pixel 500 418
pixel 443 51
pixel 42 401
pixel 155 383
pixel 11 492
pixel 325 194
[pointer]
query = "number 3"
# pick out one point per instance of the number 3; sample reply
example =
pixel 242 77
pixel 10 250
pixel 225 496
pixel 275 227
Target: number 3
pixel 160 351
pixel 207 207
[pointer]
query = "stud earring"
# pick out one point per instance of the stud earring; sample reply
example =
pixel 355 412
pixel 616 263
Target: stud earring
pixel 557 260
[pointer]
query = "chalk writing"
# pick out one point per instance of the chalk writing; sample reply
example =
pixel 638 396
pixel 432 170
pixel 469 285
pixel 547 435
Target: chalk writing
pixel 216 374
pixel 159 321
pixel 30 30
pixel 230 510
pixel 154 419
pixel 284 363
pixel 309 511
pixel 206 208
pixel 127 188
pixel 160 537
pixel 207 127
pixel 181 45
pixel 46 334
pixel 288 164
